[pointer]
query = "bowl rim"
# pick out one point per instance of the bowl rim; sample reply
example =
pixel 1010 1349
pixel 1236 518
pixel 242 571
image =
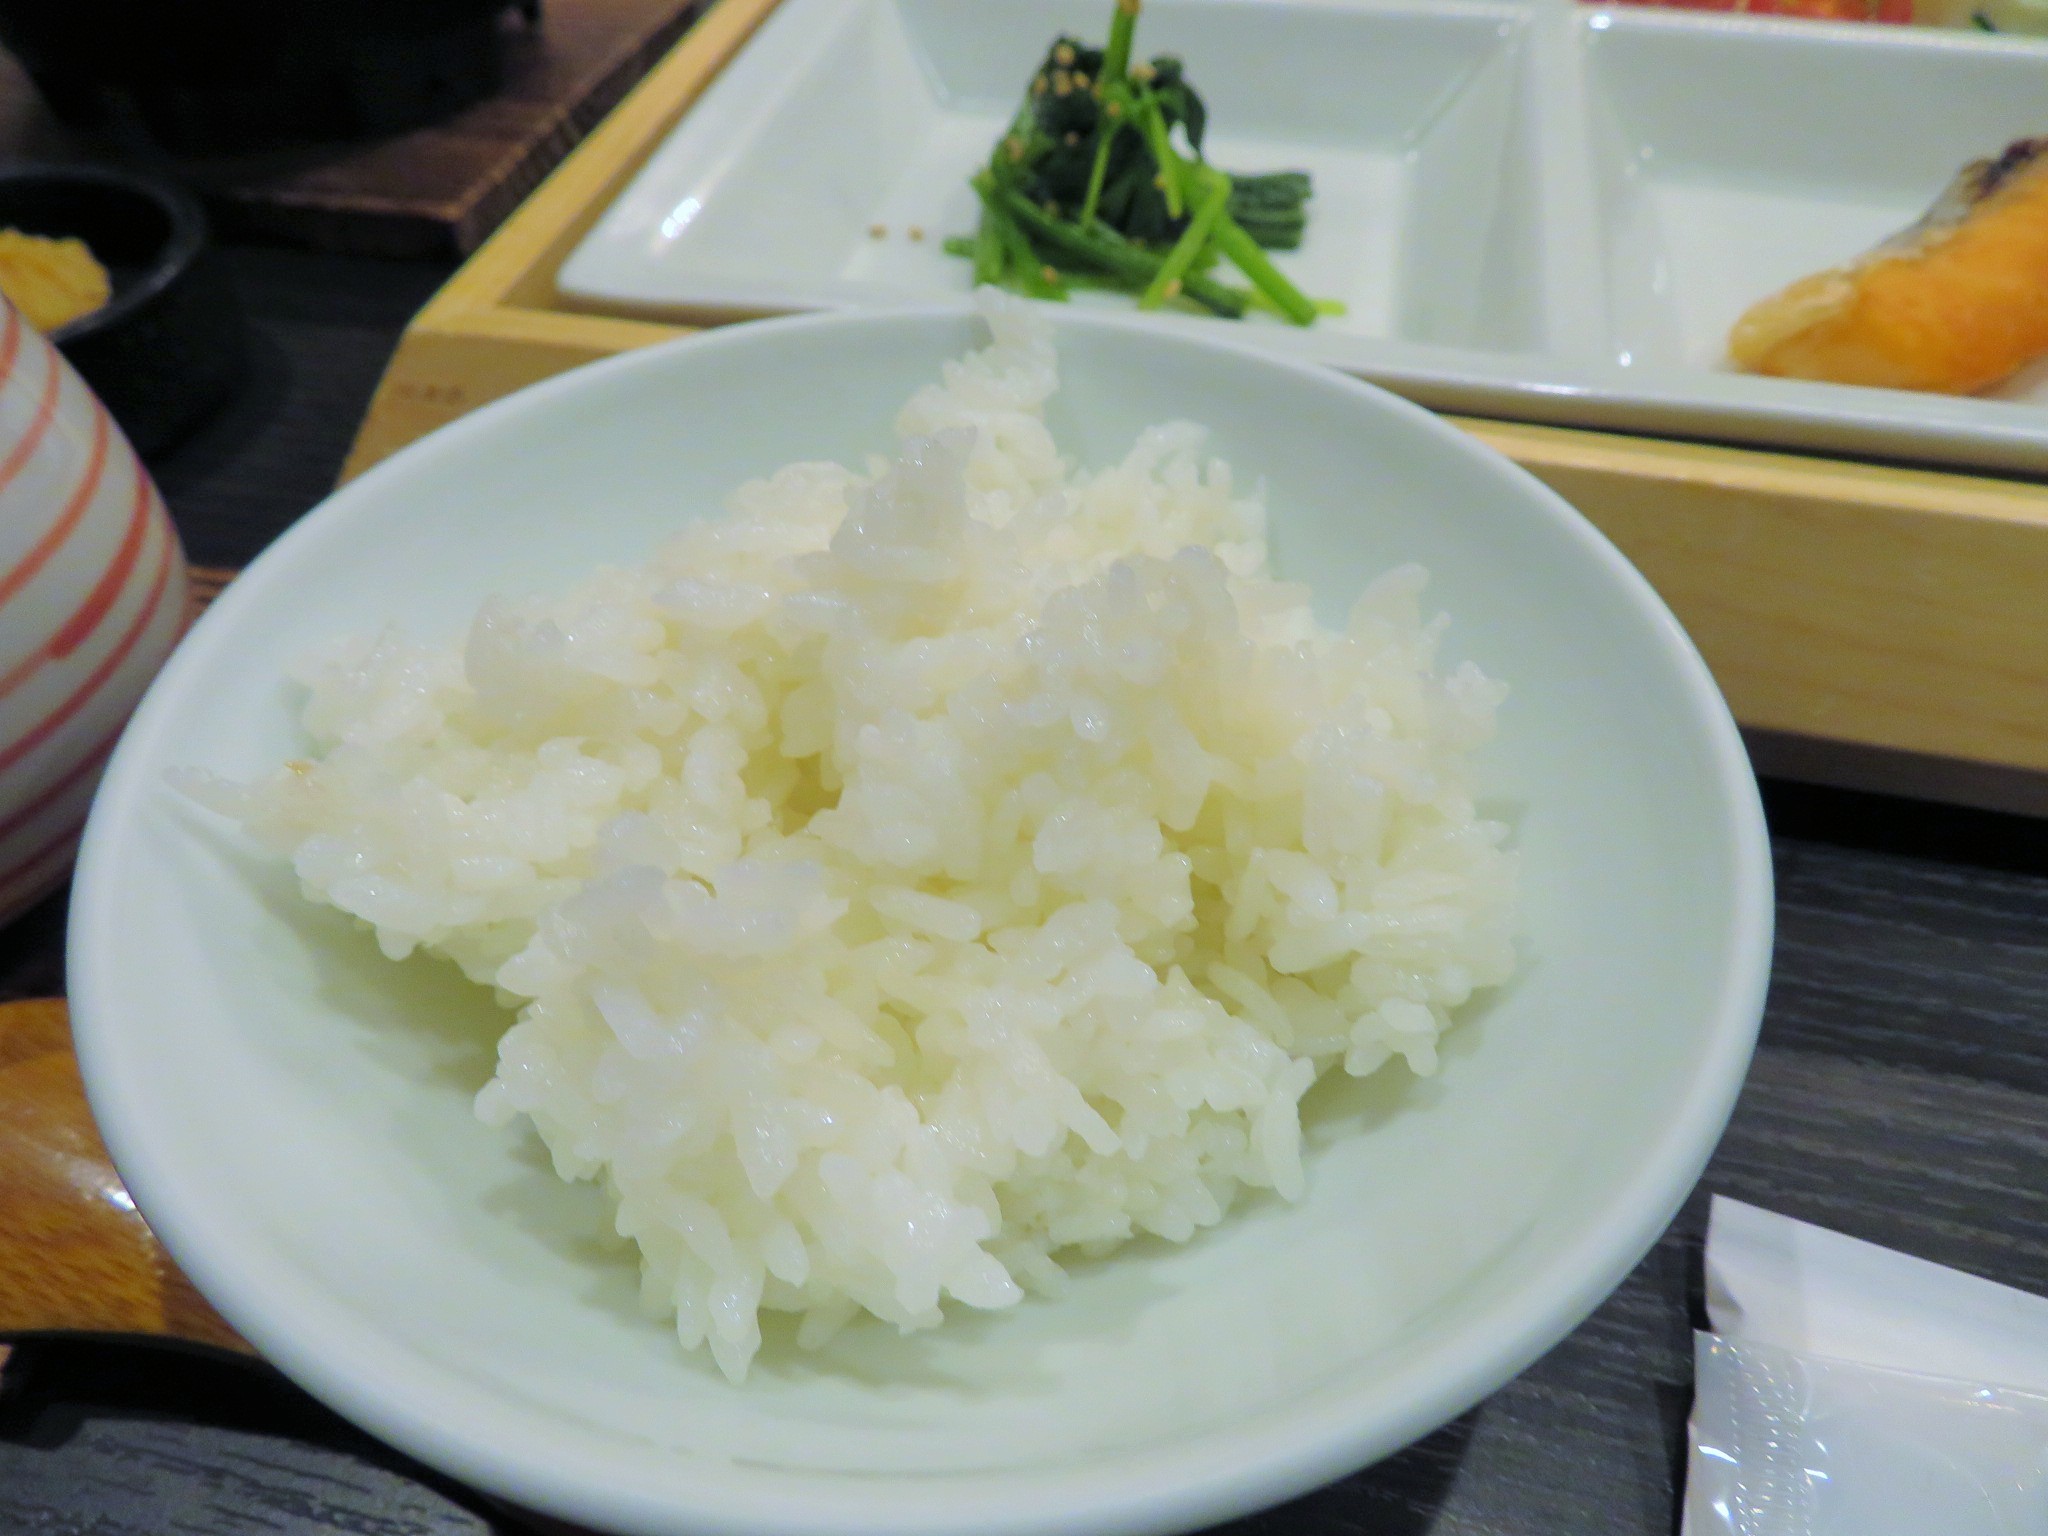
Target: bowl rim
pixel 184 239
pixel 579 1474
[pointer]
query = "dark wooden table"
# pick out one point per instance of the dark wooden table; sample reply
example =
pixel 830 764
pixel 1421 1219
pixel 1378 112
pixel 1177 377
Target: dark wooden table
pixel 1900 1094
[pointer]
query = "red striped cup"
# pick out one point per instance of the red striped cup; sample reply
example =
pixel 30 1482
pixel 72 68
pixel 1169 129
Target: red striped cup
pixel 92 598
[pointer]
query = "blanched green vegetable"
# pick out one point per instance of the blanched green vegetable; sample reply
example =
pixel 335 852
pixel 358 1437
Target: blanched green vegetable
pixel 1088 187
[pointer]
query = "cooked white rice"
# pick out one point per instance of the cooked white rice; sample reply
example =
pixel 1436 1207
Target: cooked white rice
pixel 919 872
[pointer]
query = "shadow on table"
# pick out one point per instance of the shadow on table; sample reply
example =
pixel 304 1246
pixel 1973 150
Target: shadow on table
pixel 106 1436
pixel 1952 834
pixel 32 950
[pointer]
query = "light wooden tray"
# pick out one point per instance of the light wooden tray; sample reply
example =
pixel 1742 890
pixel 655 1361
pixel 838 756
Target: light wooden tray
pixel 1871 625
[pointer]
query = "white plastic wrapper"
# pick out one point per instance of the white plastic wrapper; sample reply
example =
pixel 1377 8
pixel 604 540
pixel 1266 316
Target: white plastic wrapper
pixel 1848 1390
pixel 1796 1445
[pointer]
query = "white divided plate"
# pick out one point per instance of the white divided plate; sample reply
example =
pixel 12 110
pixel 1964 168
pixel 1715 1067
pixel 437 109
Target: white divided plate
pixel 1528 207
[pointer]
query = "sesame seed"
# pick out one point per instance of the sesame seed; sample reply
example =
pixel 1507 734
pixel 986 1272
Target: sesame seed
pixel 1112 109
pixel 1064 55
pixel 1080 80
pixel 916 231
pixel 1143 73
pixel 878 231
pixel 1071 140
pixel 1050 274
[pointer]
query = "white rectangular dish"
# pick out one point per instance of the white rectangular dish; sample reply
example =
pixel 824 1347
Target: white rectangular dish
pixel 1528 207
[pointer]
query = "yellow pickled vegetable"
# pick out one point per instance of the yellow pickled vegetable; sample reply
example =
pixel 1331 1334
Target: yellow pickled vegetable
pixel 51 281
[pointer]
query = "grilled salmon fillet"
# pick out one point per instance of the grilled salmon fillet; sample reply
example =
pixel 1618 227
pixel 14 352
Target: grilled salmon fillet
pixel 1955 304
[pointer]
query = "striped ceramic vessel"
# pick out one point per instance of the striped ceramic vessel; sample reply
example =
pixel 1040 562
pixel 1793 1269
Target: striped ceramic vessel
pixel 92 598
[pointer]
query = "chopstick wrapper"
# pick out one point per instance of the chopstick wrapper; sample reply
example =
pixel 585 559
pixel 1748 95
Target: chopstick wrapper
pixel 1847 1390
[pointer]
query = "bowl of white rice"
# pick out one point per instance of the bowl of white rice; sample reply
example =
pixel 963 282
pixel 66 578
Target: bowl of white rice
pixel 922 922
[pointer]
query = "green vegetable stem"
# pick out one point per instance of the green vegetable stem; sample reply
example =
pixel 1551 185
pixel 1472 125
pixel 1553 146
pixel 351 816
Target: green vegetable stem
pixel 1088 187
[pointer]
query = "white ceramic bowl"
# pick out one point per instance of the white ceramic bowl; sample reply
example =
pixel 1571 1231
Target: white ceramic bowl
pixel 92 598
pixel 293 1112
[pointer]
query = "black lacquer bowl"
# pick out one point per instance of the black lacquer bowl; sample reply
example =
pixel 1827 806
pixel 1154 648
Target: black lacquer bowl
pixel 168 348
